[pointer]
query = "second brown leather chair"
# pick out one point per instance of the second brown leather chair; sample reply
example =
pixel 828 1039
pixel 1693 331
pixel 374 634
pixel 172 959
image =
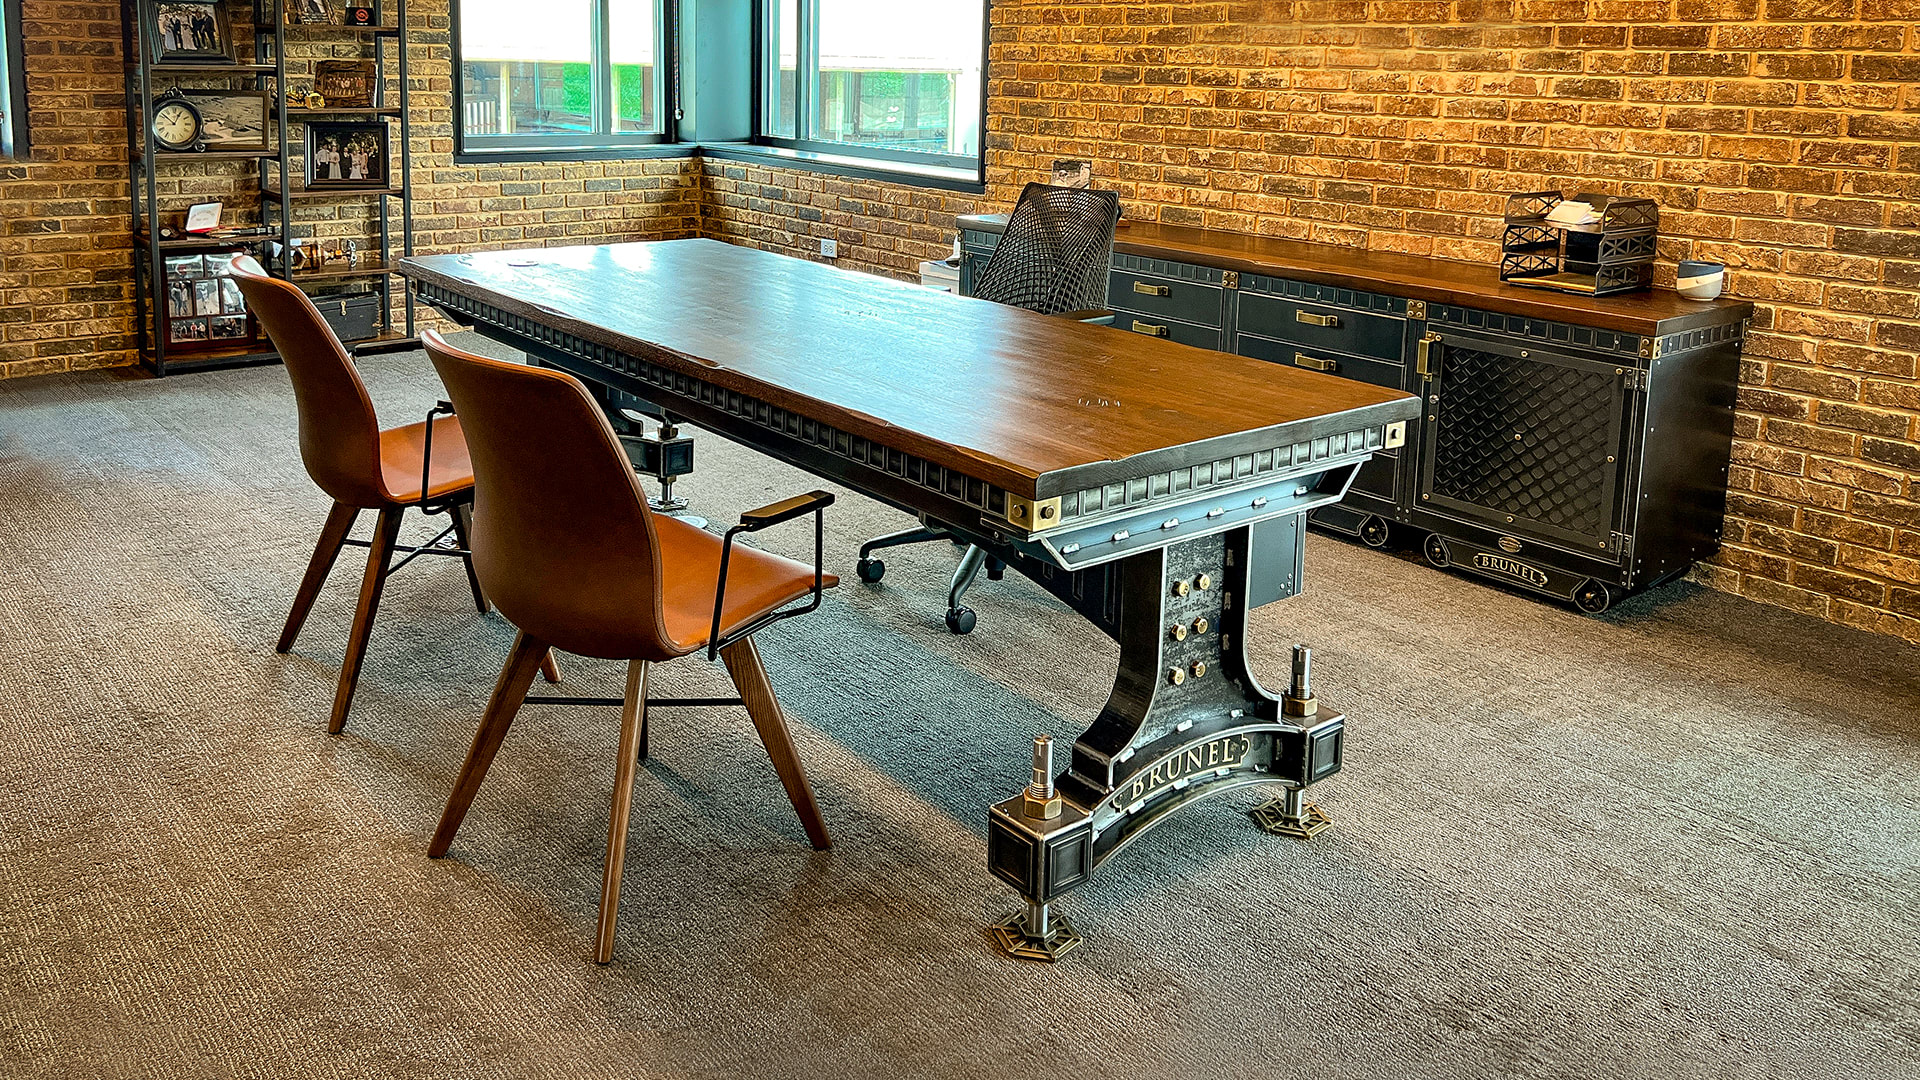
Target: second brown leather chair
pixel 567 548
pixel 355 462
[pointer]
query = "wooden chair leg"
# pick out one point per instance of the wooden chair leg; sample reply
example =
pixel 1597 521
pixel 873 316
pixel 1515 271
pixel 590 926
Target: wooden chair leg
pixel 632 716
pixel 508 693
pixel 550 668
pixel 378 555
pixel 333 536
pixel 750 678
pixel 463 531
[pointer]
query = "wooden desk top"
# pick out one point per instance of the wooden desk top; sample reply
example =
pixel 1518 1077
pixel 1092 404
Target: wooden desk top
pixel 1003 395
pixel 1654 312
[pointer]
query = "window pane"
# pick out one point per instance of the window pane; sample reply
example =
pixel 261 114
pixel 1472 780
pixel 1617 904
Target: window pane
pixel 526 74
pixel 633 40
pixel 783 67
pixel 901 76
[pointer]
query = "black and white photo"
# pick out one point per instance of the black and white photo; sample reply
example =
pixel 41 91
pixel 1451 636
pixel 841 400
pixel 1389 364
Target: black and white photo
pixel 232 119
pixel 349 154
pixel 188 32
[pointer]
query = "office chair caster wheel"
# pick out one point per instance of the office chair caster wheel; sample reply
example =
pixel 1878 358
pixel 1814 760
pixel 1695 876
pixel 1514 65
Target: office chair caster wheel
pixel 870 570
pixel 1436 551
pixel 1373 532
pixel 1592 597
pixel 961 620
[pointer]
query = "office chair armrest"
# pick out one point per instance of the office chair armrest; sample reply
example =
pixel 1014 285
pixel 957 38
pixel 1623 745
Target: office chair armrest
pixel 1094 316
pixel 784 510
pixel 813 502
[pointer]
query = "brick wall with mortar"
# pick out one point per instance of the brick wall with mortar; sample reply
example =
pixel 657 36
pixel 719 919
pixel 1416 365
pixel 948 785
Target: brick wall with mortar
pixel 66 299
pixel 1781 137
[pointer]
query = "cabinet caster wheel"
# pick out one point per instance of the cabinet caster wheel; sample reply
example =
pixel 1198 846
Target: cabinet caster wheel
pixel 870 570
pixel 1592 597
pixel 961 620
pixel 1435 550
pixel 1374 532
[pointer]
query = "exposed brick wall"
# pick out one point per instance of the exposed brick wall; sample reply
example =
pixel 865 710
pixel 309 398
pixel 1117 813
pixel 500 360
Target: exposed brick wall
pixel 881 228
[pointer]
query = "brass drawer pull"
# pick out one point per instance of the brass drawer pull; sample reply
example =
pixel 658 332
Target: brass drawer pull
pixel 1314 362
pixel 1145 289
pixel 1149 329
pixel 1312 319
pixel 1423 352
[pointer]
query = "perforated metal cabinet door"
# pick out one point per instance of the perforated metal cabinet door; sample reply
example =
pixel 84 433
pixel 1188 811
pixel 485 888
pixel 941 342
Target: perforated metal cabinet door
pixel 1526 440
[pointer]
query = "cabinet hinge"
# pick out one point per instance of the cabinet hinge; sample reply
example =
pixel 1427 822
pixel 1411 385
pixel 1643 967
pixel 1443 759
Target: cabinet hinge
pixel 1416 309
pixel 1635 379
pixel 1229 279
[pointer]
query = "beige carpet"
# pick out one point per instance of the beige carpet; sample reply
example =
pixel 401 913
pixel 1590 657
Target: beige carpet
pixel 1679 841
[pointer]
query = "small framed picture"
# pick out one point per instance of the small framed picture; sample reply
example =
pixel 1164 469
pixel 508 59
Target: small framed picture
pixel 179 297
pixel 347 154
pixel 203 217
pixel 188 32
pixel 232 119
pixel 1072 173
pixel 312 12
pixel 206 296
pixel 362 15
pixel 192 330
pixel 185 266
pixel 229 329
pixel 232 300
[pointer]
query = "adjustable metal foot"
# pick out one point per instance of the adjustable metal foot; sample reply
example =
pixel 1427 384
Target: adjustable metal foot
pixel 1291 815
pixel 1037 934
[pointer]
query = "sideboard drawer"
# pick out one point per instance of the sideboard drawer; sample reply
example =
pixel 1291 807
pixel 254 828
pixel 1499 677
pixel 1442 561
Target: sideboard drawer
pixel 1358 368
pixel 1205 337
pixel 1188 301
pixel 1356 332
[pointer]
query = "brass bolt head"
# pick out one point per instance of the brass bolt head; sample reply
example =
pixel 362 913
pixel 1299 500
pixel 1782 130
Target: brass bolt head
pixel 1199 668
pixel 1179 632
pixel 1180 588
pixel 1176 676
pixel 1203 582
pixel 1200 625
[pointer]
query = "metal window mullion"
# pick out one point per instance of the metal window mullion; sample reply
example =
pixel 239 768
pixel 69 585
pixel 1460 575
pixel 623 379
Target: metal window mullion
pixel 601 77
pixel 806 72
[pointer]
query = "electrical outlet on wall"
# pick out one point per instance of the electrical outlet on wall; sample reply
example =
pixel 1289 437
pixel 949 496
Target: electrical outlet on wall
pixel 829 249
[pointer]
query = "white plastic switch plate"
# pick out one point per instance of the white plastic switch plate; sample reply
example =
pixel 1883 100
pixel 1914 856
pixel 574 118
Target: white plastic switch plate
pixel 829 249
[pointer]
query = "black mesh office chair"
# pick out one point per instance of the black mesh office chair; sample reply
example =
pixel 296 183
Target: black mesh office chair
pixel 1054 258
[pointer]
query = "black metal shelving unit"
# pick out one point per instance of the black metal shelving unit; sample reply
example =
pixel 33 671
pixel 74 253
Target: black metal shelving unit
pixel 266 71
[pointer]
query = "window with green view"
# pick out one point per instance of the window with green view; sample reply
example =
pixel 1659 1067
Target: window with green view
pixel 564 74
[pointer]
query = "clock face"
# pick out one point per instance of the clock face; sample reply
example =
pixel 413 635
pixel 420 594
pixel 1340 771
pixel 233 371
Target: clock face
pixel 176 125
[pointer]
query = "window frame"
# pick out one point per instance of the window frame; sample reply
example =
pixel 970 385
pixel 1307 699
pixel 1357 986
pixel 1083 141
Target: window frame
pixel 13 83
pixel 550 146
pixel 806 81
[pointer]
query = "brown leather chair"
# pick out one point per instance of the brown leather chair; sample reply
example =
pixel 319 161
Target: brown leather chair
pixel 359 465
pixel 565 544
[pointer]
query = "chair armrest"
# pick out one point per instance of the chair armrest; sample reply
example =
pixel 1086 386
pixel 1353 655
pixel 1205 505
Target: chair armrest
pixel 1095 316
pixel 813 502
pixel 785 510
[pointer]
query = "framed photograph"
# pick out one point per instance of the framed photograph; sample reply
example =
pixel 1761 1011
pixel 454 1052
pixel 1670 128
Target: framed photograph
pixel 179 297
pixel 186 330
pixel 188 32
pixel 347 154
pixel 206 296
pixel 184 266
pixel 232 300
pixel 346 84
pixel 362 14
pixel 232 119
pixel 229 329
pixel 314 12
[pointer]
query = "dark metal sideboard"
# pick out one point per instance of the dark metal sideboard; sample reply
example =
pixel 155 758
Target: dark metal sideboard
pixel 1574 446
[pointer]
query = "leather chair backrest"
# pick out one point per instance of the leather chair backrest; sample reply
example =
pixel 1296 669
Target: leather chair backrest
pixel 339 433
pixel 1056 253
pixel 562 539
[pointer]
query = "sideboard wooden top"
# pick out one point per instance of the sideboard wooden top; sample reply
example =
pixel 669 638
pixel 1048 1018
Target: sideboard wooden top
pixel 1653 312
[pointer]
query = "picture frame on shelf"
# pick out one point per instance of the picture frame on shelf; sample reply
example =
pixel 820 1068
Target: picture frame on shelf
pixel 202 218
pixel 347 84
pixel 309 12
pixel 188 332
pixel 233 120
pixel 361 15
pixel 187 31
pixel 346 155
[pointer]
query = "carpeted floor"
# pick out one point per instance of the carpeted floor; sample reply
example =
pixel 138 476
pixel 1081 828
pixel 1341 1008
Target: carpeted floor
pixel 1678 841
